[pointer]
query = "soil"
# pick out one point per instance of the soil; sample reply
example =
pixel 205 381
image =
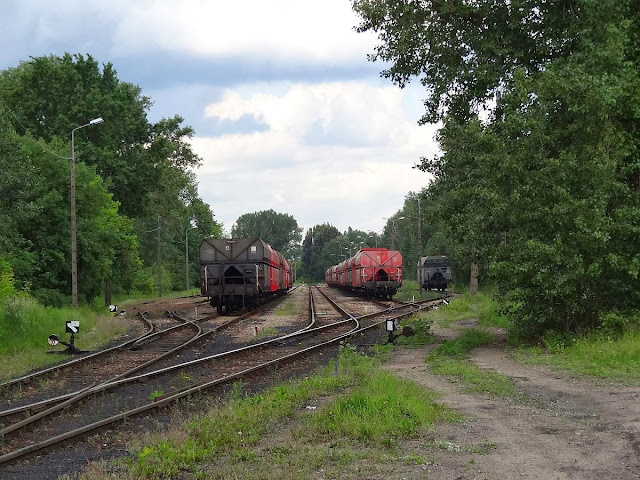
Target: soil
pixel 561 428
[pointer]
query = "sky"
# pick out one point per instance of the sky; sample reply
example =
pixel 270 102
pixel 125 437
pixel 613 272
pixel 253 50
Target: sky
pixel 288 112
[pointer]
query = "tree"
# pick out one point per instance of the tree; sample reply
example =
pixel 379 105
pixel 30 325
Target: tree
pixel 314 265
pixel 279 230
pixel 542 186
pixel 145 167
pixel 34 207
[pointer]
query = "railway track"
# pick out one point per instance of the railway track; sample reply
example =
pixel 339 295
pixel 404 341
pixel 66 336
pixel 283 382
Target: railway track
pixel 114 401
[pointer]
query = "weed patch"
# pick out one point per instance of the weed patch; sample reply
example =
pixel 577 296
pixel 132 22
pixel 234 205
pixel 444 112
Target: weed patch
pixel 375 408
pixel 450 358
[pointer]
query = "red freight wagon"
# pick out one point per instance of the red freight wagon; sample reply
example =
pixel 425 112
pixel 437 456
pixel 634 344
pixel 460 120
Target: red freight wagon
pixel 372 271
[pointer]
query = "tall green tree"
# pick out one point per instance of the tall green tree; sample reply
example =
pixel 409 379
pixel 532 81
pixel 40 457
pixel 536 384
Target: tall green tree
pixel 146 167
pixel 280 230
pixel 34 208
pixel 313 262
pixel 539 175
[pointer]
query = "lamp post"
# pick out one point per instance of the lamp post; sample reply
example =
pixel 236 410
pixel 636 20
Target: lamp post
pixel 186 249
pixel 74 248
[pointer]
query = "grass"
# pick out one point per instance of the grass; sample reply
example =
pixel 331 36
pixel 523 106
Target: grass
pixel 421 325
pixel 26 325
pixel 287 307
pixel 595 355
pixel 451 358
pixel 411 291
pixel 481 306
pixel 122 299
pixel 359 413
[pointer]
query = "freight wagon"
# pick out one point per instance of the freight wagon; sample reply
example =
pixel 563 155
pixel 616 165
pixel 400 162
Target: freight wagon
pixel 434 272
pixel 375 272
pixel 241 272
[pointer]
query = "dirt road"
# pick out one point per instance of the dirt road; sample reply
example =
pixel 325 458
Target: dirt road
pixel 566 428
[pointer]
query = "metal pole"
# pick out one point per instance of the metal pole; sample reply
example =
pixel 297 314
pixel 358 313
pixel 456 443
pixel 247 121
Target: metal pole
pixel 74 230
pixel 159 261
pixel 419 228
pixel 74 248
pixel 393 235
pixel 420 248
pixel 186 255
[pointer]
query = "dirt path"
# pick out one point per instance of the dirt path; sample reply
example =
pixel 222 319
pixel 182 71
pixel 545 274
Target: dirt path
pixel 566 429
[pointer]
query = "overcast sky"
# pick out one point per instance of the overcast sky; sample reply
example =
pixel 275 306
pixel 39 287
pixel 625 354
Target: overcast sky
pixel 289 114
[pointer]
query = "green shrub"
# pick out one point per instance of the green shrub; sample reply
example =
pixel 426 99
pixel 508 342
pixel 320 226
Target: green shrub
pixel 7 288
pixel 614 324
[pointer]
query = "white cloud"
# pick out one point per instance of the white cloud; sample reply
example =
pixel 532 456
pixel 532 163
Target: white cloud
pixel 353 183
pixel 338 112
pixel 276 30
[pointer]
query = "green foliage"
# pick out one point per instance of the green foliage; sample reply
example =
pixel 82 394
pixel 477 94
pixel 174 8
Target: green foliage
pixel 314 265
pixel 279 230
pixel 129 173
pixel 155 394
pixel 25 326
pixel 380 410
pixel 615 324
pixel 7 288
pixel 421 327
pixel 543 191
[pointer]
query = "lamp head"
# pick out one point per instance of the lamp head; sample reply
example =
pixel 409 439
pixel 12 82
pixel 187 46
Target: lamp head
pixel 96 121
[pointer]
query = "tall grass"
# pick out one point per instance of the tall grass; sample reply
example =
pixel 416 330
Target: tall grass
pixel 25 326
pixel 596 355
pixel 482 306
pixel 378 411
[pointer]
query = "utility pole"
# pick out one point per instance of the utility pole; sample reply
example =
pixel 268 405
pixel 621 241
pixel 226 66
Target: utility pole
pixel 74 247
pixel 419 228
pixel 186 256
pixel 159 261
pixel 419 248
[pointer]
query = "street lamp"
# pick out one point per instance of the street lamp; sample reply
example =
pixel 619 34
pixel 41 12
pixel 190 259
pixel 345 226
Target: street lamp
pixel 74 248
pixel 192 224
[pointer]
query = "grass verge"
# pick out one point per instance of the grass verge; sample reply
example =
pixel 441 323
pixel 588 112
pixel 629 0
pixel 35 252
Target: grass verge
pixel 481 306
pixel 337 421
pixel 595 355
pixel 25 326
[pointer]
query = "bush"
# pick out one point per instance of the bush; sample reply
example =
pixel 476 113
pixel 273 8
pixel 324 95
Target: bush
pixel 17 315
pixel 7 288
pixel 144 281
pixel 52 298
pixel 614 324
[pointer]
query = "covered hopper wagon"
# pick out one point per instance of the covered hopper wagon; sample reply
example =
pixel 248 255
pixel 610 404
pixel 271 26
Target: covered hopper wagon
pixel 241 272
pixel 375 272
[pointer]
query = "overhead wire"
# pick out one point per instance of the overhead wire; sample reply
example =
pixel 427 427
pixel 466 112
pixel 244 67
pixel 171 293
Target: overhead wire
pixel 29 133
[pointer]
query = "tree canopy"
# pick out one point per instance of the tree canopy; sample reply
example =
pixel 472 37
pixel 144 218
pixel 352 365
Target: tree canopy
pixel 279 230
pixel 129 173
pixel 539 177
